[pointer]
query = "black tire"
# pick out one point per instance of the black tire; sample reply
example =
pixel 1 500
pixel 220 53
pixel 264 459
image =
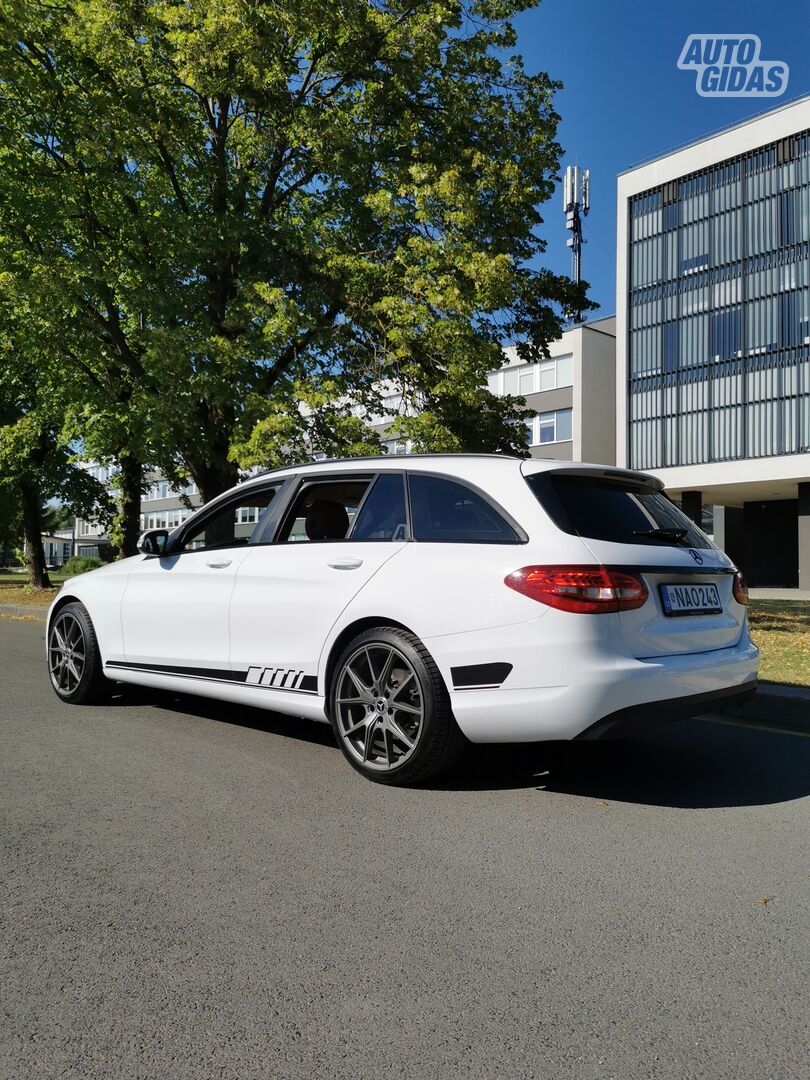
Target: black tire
pixel 375 739
pixel 71 639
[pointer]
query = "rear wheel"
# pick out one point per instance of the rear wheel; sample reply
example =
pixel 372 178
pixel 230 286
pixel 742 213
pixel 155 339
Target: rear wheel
pixel 390 709
pixel 74 658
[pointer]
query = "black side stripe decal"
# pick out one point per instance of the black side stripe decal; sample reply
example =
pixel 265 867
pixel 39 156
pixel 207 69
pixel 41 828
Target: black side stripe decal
pixel 220 674
pixel 479 676
pixel 306 684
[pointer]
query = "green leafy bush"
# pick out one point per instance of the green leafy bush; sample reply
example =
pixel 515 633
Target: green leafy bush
pixel 80 564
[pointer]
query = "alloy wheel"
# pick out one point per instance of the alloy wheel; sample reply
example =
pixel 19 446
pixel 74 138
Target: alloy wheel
pixel 67 653
pixel 380 707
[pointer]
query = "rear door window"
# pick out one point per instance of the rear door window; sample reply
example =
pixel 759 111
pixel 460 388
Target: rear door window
pixel 383 514
pixel 620 511
pixel 448 511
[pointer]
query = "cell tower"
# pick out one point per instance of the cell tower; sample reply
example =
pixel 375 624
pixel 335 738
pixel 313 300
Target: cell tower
pixel 576 203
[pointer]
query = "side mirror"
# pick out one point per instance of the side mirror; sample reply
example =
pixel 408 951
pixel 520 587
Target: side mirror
pixel 153 542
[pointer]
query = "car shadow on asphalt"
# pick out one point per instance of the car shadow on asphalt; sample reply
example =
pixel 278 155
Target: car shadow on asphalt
pixel 692 764
pixel 225 712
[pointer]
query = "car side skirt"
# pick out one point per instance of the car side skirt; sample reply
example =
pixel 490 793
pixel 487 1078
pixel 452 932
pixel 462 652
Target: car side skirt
pixel 307 704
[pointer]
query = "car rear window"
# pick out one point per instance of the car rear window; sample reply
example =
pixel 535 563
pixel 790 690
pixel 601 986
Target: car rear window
pixel 618 510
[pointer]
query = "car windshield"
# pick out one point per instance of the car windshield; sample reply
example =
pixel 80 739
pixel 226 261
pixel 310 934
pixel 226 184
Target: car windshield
pixel 618 510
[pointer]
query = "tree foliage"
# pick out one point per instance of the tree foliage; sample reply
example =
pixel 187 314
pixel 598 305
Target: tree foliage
pixel 235 218
pixel 37 460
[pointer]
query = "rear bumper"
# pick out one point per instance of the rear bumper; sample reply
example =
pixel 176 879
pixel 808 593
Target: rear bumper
pixel 642 719
pixel 562 689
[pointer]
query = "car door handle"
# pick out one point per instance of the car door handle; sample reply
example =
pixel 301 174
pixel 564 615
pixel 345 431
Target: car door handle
pixel 219 565
pixel 346 564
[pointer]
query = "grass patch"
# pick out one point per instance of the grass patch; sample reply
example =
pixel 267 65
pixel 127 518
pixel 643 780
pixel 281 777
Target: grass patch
pixel 781 629
pixel 20 581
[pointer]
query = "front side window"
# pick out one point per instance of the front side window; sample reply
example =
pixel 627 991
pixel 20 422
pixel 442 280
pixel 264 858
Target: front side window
pixel 233 525
pixel 323 511
pixel 448 511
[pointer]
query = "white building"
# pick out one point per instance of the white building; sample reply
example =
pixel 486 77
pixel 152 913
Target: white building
pixel 713 335
pixel 570 397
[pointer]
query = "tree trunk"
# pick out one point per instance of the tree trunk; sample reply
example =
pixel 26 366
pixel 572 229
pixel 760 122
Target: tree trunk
pixel 210 468
pixel 131 478
pixel 32 523
pixel 212 478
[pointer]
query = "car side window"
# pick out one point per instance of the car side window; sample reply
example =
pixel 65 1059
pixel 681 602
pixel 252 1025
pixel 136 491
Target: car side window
pixel 232 526
pixel 448 511
pixel 383 516
pixel 323 511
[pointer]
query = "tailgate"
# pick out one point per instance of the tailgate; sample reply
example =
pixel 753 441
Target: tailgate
pixel 626 522
pixel 649 630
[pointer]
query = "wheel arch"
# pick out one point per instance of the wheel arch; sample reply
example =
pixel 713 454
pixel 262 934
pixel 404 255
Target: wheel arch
pixel 60 602
pixel 358 626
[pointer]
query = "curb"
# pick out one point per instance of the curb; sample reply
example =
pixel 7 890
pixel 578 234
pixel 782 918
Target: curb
pixel 15 611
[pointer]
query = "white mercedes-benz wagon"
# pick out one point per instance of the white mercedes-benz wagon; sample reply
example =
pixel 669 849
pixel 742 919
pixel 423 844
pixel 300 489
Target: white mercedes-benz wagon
pixel 421 601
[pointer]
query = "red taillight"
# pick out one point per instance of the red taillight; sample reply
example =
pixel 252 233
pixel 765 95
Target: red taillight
pixel 740 589
pixel 587 589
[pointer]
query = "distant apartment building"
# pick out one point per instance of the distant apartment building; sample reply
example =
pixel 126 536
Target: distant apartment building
pixel 162 507
pixel 713 335
pixel 570 396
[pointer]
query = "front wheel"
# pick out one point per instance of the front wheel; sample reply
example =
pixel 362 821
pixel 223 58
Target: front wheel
pixel 390 709
pixel 74 659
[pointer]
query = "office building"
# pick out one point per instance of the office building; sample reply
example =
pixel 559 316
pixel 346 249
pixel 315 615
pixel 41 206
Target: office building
pixel 713 335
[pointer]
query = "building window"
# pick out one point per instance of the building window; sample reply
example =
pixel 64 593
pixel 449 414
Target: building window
pixel 162 489
pixel 550 427
pixel 719 313
pixel 523 379
pixel 396 446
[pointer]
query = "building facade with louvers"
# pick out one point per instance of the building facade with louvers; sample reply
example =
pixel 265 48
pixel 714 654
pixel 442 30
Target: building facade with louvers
pixel 713 334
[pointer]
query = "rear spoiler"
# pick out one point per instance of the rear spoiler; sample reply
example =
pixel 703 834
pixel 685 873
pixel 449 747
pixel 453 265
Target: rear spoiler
pixel 597 472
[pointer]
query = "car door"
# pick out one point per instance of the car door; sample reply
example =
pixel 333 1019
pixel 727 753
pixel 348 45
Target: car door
pixel 175 609
pixel 290 589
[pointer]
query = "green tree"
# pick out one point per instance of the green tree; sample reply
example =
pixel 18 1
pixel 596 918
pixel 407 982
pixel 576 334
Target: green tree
pixel 36 466
pixel 37 458
pixel 232 210
pixel 11 526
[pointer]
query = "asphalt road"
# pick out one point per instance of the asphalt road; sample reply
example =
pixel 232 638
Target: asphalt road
pixel 195 891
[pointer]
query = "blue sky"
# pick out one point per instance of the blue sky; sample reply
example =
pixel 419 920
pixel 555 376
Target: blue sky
pixel 625 99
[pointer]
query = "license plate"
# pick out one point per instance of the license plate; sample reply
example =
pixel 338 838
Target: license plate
pixel 691 599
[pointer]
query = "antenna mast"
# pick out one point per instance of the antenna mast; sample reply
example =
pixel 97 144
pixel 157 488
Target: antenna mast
pixel 576 204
